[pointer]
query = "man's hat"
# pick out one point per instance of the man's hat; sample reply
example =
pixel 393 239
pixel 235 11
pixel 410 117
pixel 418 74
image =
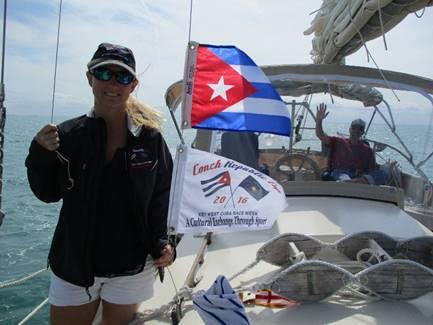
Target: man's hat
pixel 113 54
pixel 358 123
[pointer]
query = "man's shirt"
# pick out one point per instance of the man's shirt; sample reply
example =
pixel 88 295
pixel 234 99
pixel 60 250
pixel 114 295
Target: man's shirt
pixel 355 157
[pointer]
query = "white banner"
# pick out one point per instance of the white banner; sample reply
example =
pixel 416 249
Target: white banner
pixel 210 193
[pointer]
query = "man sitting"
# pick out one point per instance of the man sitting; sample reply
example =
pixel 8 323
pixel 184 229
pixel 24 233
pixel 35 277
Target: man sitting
pixel 352 160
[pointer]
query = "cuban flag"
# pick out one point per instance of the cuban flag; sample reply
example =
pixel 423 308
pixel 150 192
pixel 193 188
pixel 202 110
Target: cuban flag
pixel 216 183
pixel 225 90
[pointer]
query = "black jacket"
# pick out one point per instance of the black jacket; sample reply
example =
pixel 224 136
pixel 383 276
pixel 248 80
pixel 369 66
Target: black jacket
pixel 82 142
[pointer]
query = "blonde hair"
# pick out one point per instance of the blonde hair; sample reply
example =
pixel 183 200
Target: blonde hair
pixel 143 114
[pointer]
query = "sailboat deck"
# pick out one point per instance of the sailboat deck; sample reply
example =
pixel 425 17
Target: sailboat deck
pixel 327 219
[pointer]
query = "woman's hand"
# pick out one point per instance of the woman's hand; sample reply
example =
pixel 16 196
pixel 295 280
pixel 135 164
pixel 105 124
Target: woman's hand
pixel 48 137
pixel 166 257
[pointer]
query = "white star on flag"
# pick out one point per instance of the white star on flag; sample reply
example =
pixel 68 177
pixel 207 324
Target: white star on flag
pixel 220 89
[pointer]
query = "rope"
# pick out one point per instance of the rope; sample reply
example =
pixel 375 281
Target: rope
pixel 174 284
pixel 34 311
pixel 19 281
pixel 372 255
pixel 355 290
pixel 55 64
pixel 351 285
pixel 184 293
pixel 374 61
pixel 245 269
pixel 382 29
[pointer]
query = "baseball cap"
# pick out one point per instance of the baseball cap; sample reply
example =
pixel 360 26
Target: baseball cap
pixel 358 123
pixel 114 54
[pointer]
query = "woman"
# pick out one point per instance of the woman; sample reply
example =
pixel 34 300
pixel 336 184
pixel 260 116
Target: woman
pixel 112 168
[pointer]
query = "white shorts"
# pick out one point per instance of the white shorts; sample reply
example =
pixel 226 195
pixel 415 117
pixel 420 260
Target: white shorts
pixel 122 290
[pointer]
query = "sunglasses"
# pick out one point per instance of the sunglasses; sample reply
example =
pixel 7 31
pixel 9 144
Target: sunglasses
pixel 357 128
pixel 104 74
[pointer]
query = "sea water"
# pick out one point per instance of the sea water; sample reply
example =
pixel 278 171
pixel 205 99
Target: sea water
pixel 29 224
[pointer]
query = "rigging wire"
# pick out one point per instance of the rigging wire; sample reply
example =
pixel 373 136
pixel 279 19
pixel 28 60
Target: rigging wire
pixel 56 59
pixel 382 28
pixel 180 131
pixel 2 109
pixel 62 158
pixel 369 55
pixel 190 21
pixel 4 41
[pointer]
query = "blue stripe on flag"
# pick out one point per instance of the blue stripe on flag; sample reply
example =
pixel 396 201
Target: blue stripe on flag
pixel 214 190
pixel 207 188
pixel 248 122
pixel 231 55
pixel 212 179
pixel 265 90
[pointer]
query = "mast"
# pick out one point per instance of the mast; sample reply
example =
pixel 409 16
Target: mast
pixel 2 109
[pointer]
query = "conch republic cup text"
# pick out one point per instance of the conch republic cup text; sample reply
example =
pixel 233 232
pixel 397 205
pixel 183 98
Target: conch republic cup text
pixel 201 168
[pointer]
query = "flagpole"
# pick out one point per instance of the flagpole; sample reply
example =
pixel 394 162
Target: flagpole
pixel 233 201
pixel 232 193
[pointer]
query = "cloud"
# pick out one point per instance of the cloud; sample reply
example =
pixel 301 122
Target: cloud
pixel 157 31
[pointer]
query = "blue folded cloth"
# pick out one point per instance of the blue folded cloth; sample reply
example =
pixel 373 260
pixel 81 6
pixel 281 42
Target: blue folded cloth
pixel 221 305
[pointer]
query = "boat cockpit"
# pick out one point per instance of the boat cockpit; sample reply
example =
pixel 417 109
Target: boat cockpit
pixel 300 163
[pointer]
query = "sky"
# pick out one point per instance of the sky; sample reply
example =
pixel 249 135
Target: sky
pixel 269 31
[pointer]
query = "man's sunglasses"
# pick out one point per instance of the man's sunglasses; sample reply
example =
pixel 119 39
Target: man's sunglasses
pixel 104 74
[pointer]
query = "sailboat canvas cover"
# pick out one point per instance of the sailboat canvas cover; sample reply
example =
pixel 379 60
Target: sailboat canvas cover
pixel 341 27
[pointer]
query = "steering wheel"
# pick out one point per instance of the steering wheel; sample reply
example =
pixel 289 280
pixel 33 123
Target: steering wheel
pixel 296 167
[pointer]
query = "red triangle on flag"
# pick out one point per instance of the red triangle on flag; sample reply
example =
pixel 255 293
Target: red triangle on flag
pixel 225 178
pixel 216 86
